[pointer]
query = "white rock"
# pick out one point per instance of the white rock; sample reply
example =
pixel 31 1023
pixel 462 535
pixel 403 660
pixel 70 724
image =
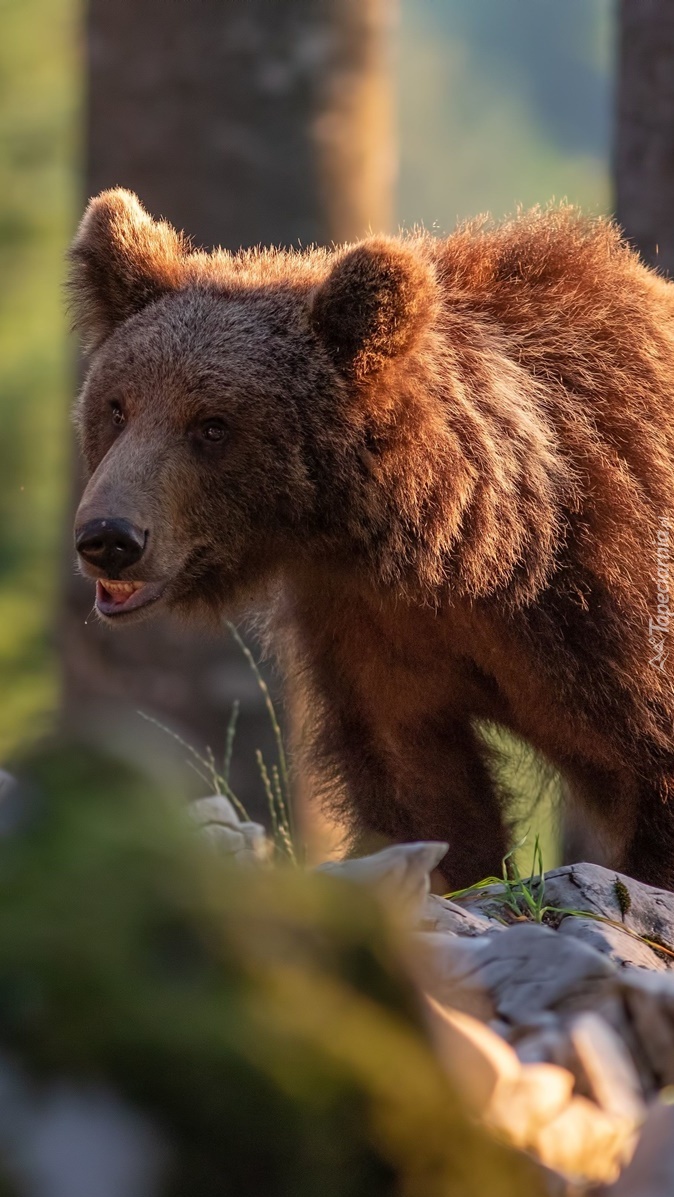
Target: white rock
pixel 399 875
pixel 440 914
pixel 220 824
pixel 585 1143
pixel 608 1067
pixel 225 839
pixel 649 1001
pixel 449 969
pixel 613 942
pixel 521 1109
pixel 601 891
pixel 549 1045
pixel 214 809
pixel 651 1171
pixel 523 974
pixel 255 836
pixel 532 969
pixel 476 1059
pixel 517 1101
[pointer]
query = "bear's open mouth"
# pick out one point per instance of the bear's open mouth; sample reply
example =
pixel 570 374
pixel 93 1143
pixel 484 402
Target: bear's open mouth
pixel 114 598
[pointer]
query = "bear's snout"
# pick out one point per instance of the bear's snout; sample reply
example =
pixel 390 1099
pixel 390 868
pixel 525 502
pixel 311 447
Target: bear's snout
pixel 110 544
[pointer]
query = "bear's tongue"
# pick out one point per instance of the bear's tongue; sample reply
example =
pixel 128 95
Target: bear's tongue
pixel 116 593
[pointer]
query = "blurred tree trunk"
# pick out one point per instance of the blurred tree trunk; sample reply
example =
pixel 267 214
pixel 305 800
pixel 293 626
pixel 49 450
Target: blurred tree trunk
pixel 243 122
pixel 644 196
pixel 644 160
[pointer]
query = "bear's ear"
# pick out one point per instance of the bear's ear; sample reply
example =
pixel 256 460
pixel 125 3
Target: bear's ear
pixel 373 305
pixel 121 260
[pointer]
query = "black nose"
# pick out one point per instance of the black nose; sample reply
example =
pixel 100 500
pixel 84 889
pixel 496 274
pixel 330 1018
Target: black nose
pixel 112 545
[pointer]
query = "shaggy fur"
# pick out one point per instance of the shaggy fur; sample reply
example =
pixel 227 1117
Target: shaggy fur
pixel 448 467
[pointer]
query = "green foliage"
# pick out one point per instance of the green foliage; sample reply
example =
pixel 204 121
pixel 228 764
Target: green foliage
pixel 532 789
pixel 39 86
pixel 514 898
pixel 260 1018
pixel 517 897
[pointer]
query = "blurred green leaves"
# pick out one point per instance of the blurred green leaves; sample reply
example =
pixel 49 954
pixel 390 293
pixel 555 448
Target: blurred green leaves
pixel 39 102
pixel 261 1019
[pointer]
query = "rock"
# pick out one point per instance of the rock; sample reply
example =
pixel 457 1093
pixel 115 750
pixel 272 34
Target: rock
pixel 651 1171
pixel 531 970
pixel 521 1109
pixel 485 902
pixel 439 914
pixel 449 969
pixel 649 1002
pixel 533 1106
pixel 612 942
pixel 548 1045
pixel 517 1102
pixel 528 978
pixel 608 1068
pixel 225 839
pixel 219 822
pixel 635 998
pixel 585 1143
pixel 400 875
pixel 478 1061
pixel 579 1013
pixel 215 809
pixel 639 908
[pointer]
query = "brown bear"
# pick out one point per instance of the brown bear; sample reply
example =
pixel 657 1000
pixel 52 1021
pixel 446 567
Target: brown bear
pixel 445 468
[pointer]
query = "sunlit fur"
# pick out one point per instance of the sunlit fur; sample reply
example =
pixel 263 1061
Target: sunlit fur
pixel 447 465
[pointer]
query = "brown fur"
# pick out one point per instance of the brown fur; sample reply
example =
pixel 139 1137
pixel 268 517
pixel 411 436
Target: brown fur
pixel 445 470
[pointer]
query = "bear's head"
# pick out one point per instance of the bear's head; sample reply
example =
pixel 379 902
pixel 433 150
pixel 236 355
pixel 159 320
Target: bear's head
pixel 233 404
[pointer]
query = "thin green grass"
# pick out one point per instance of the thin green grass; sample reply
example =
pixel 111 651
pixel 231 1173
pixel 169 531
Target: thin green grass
pixel 275 781
pixel 522 899
pixel 281 791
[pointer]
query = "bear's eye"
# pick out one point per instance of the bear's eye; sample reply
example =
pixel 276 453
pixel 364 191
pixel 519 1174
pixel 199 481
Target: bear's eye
pixel 118 417
pixel 212 431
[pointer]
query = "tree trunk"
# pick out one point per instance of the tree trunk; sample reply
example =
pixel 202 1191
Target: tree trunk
pixel 644 160
pixel 243 122
pixel 644 194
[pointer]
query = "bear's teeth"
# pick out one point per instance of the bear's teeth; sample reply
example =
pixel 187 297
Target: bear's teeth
pixel 122 587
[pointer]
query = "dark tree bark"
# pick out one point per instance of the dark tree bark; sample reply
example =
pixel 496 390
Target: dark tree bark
pixel 644 194
pixel 241 121
pixel 644 159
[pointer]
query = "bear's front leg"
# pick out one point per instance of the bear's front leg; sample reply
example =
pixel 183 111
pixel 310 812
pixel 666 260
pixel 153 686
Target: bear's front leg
pixel 429 781
pixel 648 854
pixel 622 817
